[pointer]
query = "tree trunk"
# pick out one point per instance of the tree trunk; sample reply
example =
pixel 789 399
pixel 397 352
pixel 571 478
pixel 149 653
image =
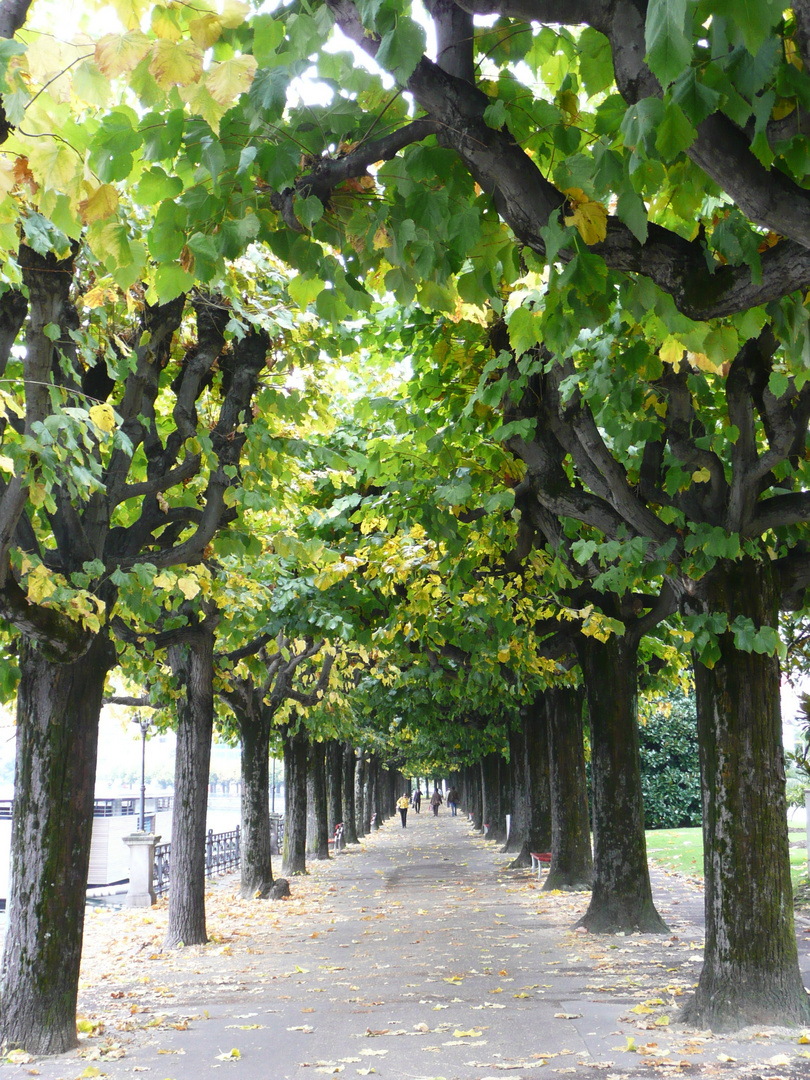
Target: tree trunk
pixel 294 849
pixel 368 794
pixel 474 796
pixel 517 840
pixel 622 896
pixel 359 794
pixel 317 826
pixel 192 664
pixel 58 708
pixel 750 971
pixel 347 791
pixel 334 784
pixel 257 870
pixel 571 857
pixel 494 814
pixel 538 796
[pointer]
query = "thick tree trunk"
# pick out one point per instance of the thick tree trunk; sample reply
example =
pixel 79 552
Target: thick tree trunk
pixel 294 849
pixel 192 664
pixel 571 857
pixel 494 812
pixel 347 791
pixel 317 826
pixel 368 794
pixel 750 971
pixel 334 784
pixel 474 796
pixel 359 794
pixel 538 796
pixel 257 870
pixel 622 896
pixel 518 839
pixel 58 708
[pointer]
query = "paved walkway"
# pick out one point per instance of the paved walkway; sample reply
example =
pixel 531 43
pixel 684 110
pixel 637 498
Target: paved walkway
pixel 417 957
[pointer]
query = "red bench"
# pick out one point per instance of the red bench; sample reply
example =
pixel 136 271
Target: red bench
pixel 540 859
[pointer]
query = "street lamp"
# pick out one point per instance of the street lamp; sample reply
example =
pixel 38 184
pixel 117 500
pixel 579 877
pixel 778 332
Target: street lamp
pixel 143 723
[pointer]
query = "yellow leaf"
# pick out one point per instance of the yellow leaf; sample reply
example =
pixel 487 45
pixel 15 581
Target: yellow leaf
pixel 701 476
pixel 234 13
pixel 188 586
pixel 231 1055
pixel 40 585
pixel 568 102
pixel 8 175
pixel 662 1021
pixel 175 63
pixel 471 1034
pixel 164 581
pixel 206 31
pixel 130 12
pixel 54 164
pixel 641 1009
pixel 589 218
pixel 226 81
pixel 117 54
pixel 503 655
pixel 6 464
pixel 101 203
pixel 200 101
pixel 803 1040
pixel 671 352
pixel 103 417
pixel 98 296
pixel 165 24
pixel 91 1070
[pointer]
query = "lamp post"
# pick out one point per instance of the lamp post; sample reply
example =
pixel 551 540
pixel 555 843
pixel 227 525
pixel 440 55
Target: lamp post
pixel 143 723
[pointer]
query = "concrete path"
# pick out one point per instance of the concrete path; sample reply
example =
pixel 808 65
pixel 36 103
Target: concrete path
pixel 416 957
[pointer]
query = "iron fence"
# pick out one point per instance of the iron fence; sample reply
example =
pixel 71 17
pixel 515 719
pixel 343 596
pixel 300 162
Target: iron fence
pixel 222 853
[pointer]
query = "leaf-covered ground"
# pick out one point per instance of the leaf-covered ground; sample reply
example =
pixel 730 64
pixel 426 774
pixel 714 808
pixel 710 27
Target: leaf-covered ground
pixel 415 956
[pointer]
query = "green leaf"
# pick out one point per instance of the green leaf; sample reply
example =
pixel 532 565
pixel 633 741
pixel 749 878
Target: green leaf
pixel 308 210
pixel 632 211
pixel 402 48
pixel 754 19
pixel 268 91
pixel 695 98
pixel 171 281
pixel 669 50
pixel 778 383
pixel 675 133
pixel 268 34
pixel 525 329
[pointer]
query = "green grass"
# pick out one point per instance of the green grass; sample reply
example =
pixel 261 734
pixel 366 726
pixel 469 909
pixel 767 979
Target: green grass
pixel 682 850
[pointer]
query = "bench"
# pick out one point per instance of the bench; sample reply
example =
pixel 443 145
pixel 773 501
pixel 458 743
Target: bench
pixel 540 859
pixel 337 839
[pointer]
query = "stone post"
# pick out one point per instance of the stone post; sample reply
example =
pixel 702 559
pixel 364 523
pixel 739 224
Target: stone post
pixel 141 891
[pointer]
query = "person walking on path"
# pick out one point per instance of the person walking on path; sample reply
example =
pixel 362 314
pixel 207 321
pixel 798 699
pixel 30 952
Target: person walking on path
pixel 436 801
pixel 453 800
pixel 402 806
pixel 417 799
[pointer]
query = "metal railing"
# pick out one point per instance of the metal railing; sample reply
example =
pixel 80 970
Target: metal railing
pixel 222 853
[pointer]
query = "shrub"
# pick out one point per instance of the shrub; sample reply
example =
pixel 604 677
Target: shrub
pixel 670 771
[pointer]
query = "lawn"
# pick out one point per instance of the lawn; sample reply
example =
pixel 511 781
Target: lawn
pixel 682 850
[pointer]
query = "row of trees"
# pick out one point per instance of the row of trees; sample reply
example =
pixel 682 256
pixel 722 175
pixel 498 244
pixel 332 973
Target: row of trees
pixel 559 451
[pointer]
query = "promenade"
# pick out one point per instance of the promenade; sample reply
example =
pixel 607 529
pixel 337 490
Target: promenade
pixel 415 956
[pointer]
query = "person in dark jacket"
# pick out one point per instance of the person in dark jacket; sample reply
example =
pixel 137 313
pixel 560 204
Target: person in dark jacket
pixel 436 801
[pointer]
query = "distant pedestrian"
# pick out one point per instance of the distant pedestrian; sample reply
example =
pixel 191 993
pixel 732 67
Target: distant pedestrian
pixel 417 799
pixel 402 806
pixel 436 801
pixel 453 799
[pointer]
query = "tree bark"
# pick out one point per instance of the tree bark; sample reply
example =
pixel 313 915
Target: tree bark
pixel 257 869
pixel 317 826
pixel 750 971
pixel 494 814
pixel 349 812
pixel 192 664
pixel 538 794
pixel 622 896
pixel 368 794
pixel 58 708
pixel 294 850
pixel 571 856
pixel 518 839
pixel 334 784
pixel 359 794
